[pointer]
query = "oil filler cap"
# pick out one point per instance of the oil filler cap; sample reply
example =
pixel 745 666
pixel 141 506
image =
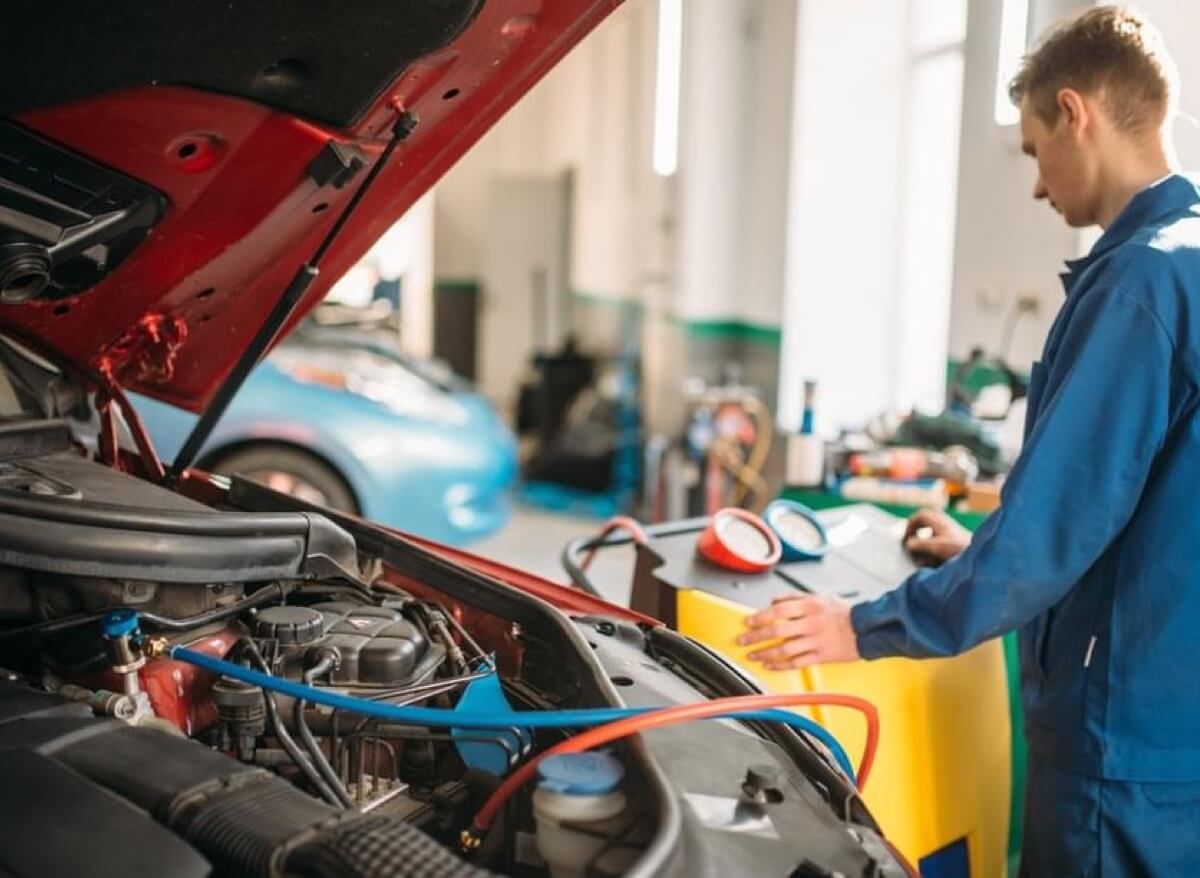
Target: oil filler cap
pixel 580 774
pixel 296 626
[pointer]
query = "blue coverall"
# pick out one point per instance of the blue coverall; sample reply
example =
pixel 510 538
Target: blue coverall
pixel 1095 555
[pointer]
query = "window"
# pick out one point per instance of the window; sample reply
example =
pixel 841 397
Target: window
pixel 1014 33
pixel 872 207
pixel 666 86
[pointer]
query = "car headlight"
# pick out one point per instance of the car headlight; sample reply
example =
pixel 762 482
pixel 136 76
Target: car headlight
pixel 375 377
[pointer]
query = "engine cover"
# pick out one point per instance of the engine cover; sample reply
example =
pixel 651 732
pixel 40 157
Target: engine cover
pixel 377 645
pixel 88 796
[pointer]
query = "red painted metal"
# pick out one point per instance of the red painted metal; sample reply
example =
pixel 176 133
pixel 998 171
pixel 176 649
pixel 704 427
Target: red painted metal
pixel 146 352
pixel 243 215
pixel 570 600
pixel 181 693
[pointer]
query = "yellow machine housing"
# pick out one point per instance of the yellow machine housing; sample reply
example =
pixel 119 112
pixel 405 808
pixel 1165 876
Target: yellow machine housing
pixel 940 786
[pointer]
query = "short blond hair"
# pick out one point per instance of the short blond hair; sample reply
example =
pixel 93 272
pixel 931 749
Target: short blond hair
pixel 1109 50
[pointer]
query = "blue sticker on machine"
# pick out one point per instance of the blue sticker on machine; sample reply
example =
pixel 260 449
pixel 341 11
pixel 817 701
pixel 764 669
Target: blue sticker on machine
pixel 951 861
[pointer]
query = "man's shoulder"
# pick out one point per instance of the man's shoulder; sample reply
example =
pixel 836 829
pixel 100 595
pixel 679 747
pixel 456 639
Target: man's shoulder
pixel 1167 252
pixel 1159 268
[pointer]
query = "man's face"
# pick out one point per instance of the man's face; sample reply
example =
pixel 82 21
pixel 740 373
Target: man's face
pixel 1066 170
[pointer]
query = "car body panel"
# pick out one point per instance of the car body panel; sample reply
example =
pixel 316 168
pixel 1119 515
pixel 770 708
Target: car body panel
pixel 244 214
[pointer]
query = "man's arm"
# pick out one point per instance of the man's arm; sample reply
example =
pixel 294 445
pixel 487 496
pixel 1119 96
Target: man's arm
pixel 1074 488
pixel 932 537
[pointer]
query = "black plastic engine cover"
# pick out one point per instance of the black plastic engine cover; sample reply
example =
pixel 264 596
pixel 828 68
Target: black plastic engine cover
pixel 59 821
pixel 86 796
pixel 92 831
pixel 378 646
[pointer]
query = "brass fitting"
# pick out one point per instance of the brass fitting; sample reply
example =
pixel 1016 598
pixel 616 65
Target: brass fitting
pixel 157 647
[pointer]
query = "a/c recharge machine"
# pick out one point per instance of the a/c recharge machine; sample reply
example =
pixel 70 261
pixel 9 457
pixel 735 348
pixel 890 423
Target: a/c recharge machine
pixel 940 787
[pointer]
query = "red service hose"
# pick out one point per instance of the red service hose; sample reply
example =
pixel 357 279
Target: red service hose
pixel 669 716
pixel 614 524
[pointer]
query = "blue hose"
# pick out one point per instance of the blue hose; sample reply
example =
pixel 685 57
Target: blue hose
pixel 441 718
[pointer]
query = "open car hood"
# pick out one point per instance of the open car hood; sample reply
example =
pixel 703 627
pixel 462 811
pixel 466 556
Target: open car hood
pixel 171 166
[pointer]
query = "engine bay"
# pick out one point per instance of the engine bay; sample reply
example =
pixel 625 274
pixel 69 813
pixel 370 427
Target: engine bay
pixel 216 677
pixel 79 646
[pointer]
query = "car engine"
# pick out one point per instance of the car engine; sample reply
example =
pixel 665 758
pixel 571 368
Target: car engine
pixel 120 742
pixel 297 784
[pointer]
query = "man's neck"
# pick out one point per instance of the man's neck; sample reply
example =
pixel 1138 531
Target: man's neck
pixel 1125 179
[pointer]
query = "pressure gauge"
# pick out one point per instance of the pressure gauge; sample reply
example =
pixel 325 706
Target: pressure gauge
pixel 739 540
pixel 800 532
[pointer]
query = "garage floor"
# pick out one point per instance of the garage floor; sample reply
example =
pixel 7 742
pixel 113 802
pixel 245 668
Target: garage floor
pixel 534 539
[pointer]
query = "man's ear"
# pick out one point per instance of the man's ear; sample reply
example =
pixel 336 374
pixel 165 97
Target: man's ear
pixel 1073 111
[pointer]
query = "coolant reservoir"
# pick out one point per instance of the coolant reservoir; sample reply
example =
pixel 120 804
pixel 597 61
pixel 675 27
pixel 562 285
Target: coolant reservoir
pixel 579 808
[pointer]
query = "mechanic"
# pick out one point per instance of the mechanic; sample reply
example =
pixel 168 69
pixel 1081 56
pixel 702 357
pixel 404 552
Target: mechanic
pixel 1092 553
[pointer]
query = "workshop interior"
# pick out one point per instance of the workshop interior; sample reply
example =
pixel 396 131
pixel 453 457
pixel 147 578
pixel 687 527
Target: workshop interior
pixel 404 405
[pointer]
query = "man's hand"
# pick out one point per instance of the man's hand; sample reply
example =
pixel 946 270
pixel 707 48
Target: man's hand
pixel 814 630
pixel 933 537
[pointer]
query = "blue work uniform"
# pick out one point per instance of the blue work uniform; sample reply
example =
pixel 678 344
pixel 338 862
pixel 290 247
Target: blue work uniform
pixel 1094 554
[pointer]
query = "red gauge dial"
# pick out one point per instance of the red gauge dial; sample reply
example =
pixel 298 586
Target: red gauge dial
pixel 739 540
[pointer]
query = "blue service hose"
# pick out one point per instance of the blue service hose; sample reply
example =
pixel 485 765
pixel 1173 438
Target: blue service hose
pixel 441 718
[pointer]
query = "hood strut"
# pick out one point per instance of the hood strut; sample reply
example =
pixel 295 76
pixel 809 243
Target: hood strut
pixel 280 313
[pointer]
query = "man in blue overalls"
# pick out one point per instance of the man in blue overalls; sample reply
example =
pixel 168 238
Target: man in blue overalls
pixel 1095 551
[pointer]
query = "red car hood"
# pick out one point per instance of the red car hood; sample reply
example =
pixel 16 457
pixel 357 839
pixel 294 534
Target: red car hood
pixel 224 109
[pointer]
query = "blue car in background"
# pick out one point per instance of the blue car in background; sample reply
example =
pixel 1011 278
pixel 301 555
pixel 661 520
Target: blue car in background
pixel 339 417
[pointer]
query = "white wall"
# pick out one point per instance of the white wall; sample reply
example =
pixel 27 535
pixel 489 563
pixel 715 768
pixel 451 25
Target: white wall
pixel 524 273
pixel 593 117
pixel 416 297
pixel 1007 244
pixel 563 183
pixel 594 114
pixel 590 116
pixel 872 195
pixel 735 155
pixel 618 238
pixel 817 165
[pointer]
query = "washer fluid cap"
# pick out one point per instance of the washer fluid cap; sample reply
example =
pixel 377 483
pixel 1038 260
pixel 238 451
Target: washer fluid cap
pixel 580 774
pixel 289 625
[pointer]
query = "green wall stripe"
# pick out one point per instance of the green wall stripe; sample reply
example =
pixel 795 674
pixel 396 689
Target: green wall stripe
pixel 604 301
pixel 729 328
pixel 742 330
pixel 455 285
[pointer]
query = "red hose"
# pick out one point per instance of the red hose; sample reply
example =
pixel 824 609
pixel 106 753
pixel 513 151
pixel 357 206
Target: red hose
pixel 668 716
pixel 616 523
